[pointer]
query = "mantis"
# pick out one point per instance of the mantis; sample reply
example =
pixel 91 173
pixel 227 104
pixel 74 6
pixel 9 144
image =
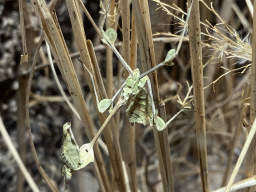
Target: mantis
pixel 140 109
pixel 75 158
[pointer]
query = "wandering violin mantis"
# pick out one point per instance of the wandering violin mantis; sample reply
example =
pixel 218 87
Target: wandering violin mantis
pixel 133 93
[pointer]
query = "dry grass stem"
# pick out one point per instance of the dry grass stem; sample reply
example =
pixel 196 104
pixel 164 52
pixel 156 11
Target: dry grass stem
pixel 17 158
pixel 198 88
pixel 242 155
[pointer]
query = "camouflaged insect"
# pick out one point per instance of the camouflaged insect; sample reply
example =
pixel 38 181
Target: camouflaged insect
pixel 75 158
pixel 139 106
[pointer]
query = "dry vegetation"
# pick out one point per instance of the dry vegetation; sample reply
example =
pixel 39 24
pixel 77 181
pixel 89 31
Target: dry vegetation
pixel 208 96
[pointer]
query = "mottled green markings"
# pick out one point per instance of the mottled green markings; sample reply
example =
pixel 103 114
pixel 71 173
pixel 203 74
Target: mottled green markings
pixel 75 158
pixel 139 109
pixel 139 106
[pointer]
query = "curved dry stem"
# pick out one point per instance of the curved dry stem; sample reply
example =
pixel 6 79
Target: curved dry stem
pixel 59 85
pixel 16 156
pixel 27 121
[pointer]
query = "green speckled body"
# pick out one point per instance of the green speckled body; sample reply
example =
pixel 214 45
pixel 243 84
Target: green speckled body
pixel 139 107
pixel 69 153
pixel 75 158
pixel 70 149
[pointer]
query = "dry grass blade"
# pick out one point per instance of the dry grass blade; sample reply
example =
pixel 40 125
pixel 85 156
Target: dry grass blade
pixel 240 185
pixel 236 135
pixel 58 83
pixel 250 164
pixel 17 158
pixel 247 143
pixel 110 23
pixel 125 9
pixel 114 150
pixel 27 120
pixel 250 6
pixel 132 128
pixel 198 85
pixel 21 97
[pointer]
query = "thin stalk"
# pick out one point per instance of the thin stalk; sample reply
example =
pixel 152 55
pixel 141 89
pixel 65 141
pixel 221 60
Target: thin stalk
pixel 59 85
pixel 147 53
pixel 250 164
pixel 125 10
pixel 27 120
pixel 247 143
pixel 111 45
pixel 235 138
pixel 113 145
pixel 119 84
pixel 21 100
pixel 111 138
pixel 198 84
pixel 132 127
pixel 22 26
pixel 134 47
pixel 110 23
pixel 21 128
pixel 240 185
pixel 126 50
pixel 16 156
pixel 118 105
pixel 250 6
pixel 96 69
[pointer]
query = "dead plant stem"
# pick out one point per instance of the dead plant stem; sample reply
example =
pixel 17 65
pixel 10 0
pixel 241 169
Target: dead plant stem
pixel 147 53
pixel 235 137
pixel 27 120
pixel 131 128
pixel 247 143
pixel 111 138
pixel 110 23
pixel 16 156
pixel 21 99
pixel 198 85
pixel 250 164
